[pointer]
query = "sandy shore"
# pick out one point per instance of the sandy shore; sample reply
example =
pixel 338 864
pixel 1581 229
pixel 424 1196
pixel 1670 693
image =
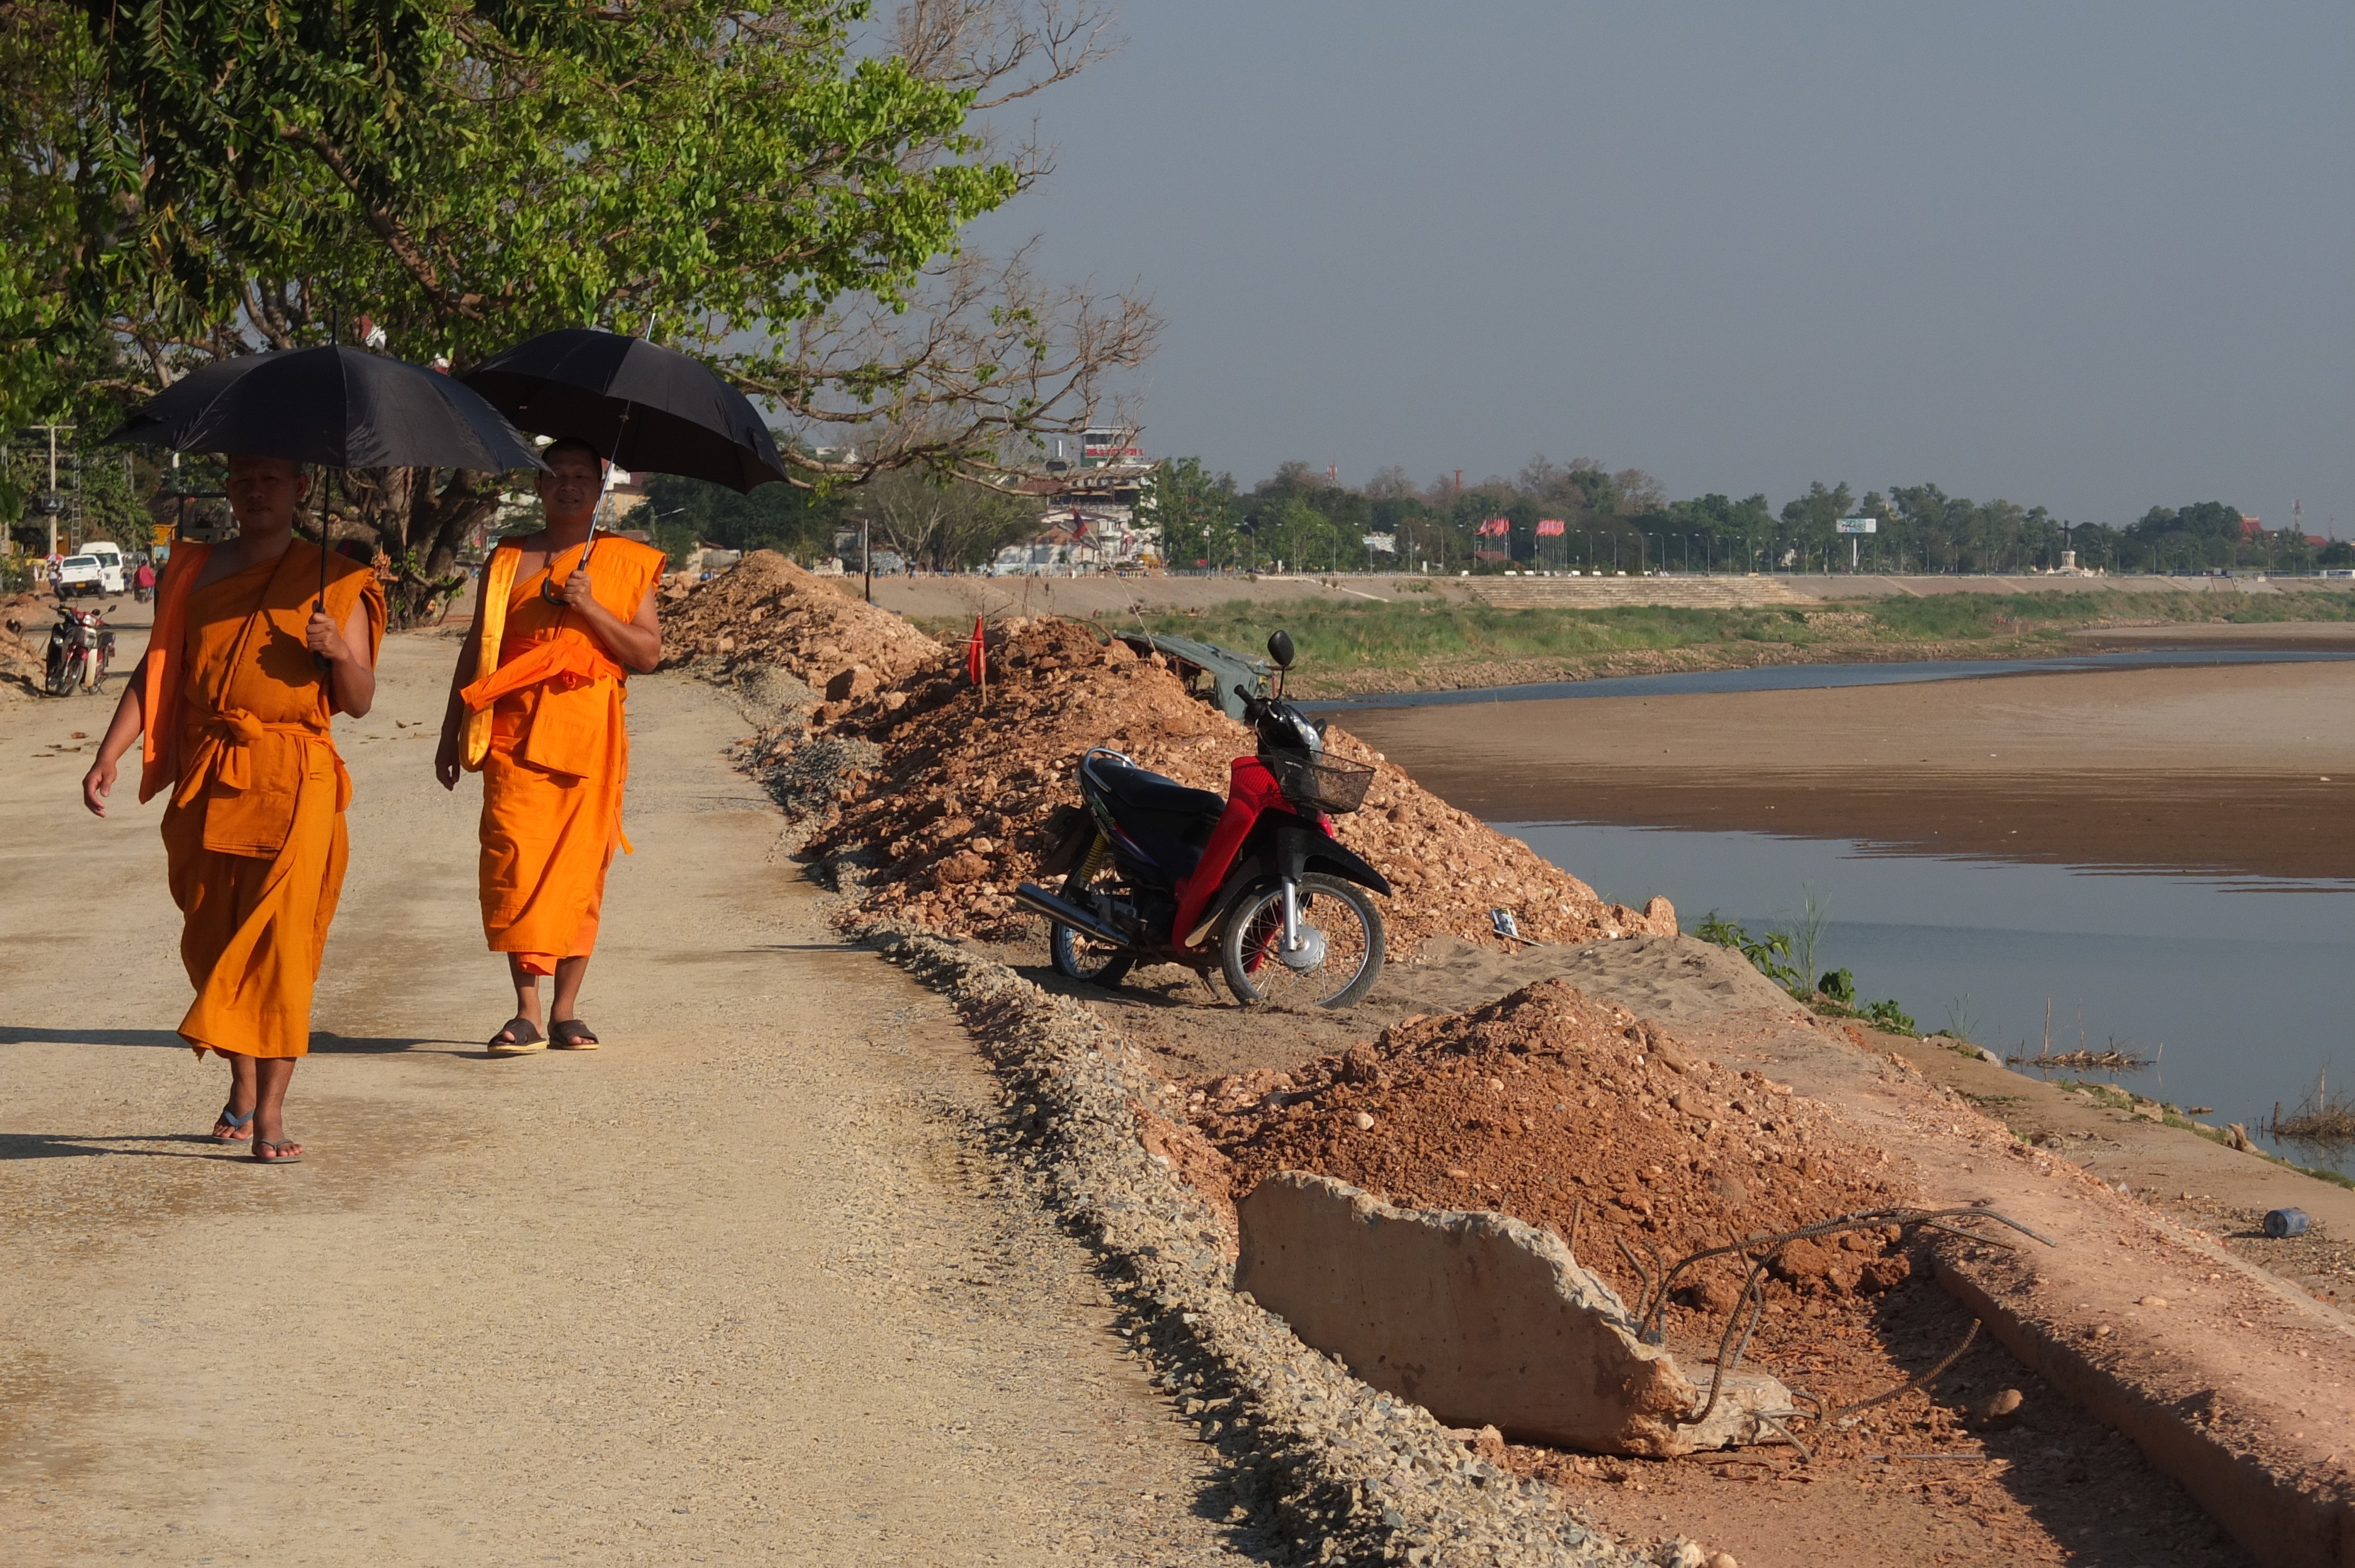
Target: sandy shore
pixel 2246 768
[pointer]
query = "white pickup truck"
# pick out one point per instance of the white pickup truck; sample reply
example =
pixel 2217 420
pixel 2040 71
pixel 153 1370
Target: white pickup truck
pixel 98 570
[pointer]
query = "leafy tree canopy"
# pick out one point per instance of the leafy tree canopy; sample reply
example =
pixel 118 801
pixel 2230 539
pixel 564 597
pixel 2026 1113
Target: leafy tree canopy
pixel 750 180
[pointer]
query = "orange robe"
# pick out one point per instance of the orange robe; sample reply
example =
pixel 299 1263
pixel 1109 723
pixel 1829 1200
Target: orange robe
pixel 546 728
pixel 236 718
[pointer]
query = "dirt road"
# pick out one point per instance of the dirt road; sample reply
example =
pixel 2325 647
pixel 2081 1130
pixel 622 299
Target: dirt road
pixel 743 1285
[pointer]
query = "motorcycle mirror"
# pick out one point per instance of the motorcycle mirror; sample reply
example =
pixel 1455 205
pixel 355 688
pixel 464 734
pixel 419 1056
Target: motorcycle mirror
pixel 1279 648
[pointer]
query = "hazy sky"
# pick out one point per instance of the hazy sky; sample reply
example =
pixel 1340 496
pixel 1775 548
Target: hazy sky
pixel 2096 257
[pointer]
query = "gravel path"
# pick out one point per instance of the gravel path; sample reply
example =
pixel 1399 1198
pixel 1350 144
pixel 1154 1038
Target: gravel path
pixel 742 1285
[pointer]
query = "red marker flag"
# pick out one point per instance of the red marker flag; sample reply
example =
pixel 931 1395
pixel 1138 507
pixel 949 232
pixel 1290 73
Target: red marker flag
pixel 975 661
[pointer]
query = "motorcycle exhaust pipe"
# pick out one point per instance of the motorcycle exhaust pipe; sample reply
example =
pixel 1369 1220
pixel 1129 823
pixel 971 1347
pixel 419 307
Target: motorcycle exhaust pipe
pixel 1038 901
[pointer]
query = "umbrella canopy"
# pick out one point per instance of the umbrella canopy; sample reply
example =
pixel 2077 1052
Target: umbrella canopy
pixel 337 407
pixel 644 407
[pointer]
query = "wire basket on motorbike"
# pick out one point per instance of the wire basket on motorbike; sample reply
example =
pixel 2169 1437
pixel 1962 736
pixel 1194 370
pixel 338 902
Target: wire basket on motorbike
pixel 1319 782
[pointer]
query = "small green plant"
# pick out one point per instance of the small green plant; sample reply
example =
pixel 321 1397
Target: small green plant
pixel 1890 1016
pixel 1962 1018
pixel 1839 985
pixel 1770 956
pixel 1803 933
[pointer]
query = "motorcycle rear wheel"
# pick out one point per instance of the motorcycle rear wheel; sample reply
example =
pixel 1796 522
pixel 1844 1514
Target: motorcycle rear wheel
pixel 1350 927
pixel 1081 957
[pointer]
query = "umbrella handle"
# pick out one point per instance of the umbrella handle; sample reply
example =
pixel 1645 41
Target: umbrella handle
pixel 327 536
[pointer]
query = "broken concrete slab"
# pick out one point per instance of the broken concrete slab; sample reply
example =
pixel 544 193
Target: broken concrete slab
pixel 1481 1320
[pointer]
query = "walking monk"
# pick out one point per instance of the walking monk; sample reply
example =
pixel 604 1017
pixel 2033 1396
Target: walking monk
pixel 536 705
pixel 234 702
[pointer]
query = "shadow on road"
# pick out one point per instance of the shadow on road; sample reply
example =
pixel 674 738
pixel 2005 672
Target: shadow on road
pixel 324 1042
pixel 63 1144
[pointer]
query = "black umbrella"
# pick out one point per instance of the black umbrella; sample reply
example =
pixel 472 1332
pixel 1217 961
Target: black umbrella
pixel 644 407
pixel 336 406
pixel 340 408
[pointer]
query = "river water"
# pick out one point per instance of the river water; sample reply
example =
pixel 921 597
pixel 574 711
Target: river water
pixel 2238 988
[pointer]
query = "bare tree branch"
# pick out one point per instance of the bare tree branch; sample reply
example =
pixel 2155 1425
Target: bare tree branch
pixel 969 382
pixel 1002 50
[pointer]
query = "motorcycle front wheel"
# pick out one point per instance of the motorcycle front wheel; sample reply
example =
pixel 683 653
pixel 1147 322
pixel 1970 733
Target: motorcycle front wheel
pixel 62 674
pixel 1081 957
pixel 1340 953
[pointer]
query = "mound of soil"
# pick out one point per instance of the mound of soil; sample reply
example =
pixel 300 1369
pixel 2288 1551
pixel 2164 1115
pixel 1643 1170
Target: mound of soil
pixel 952 816
pixel 25 622
pixel 1571 1113
pixel 768 613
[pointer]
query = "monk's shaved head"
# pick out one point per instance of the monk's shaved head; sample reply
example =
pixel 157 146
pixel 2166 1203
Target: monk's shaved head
pixel 263 492
pixel 573 481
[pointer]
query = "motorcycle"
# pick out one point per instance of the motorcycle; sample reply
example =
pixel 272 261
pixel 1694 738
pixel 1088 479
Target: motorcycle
pixel 1255 883
pixel 81 648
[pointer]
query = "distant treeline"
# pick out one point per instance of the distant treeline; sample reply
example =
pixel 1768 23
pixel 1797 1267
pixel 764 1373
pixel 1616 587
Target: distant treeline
pixel 1610 521
pixel 1623 521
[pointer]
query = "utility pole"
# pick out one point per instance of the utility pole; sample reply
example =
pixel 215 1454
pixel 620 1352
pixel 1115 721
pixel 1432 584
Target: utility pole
pixel 50 504
pixel 865 561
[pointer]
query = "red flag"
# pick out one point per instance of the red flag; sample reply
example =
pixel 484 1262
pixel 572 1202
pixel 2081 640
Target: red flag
pixel 974 658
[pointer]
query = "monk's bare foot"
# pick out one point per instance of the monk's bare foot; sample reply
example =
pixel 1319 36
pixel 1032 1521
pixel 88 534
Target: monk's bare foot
pixel 231 1128
pixel 276 1151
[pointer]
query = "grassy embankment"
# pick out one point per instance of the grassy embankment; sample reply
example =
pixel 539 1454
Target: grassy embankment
pixel 1437 641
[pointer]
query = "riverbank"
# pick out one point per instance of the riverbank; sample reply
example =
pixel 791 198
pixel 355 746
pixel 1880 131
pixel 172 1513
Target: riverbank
pixel 2234 768
pixel 1425 637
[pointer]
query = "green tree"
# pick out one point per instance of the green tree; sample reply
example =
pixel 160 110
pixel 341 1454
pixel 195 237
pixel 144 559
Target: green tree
pixel 937 522
pixel 1197 513
pixel 684 513
pixel 1811 518
pixel 747 181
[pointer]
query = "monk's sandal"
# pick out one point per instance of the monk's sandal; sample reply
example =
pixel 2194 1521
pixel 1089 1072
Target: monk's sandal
pixel 571 1034
pixel 521 1035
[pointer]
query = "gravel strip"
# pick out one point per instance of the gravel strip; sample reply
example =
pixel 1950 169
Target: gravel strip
pixel 1326 1468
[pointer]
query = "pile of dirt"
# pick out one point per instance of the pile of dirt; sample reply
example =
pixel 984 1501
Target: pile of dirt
pixel 25 622
pixel 952 814
pixel 1569 1112
pixel 1573 1114
pixel 767 613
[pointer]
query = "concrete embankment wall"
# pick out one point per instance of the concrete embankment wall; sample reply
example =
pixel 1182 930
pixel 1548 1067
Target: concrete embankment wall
pixel 1109 596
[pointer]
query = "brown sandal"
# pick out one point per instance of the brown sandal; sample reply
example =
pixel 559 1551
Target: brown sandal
pixel 571 1034
pixel 516 1036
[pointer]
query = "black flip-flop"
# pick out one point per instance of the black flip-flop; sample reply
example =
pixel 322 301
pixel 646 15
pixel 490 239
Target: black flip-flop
pixel 522 1035
pixel 260 1144
pixel 571 1034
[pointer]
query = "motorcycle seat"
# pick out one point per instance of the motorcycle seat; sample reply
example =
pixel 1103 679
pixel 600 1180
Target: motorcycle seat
pixel 1148 791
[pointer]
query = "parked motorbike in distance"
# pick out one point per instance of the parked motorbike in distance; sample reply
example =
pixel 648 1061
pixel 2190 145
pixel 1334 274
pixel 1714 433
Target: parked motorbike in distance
pixel 81 648
pixel 1255 883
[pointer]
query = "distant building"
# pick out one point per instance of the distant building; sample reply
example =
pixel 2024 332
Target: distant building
pixel 1096 516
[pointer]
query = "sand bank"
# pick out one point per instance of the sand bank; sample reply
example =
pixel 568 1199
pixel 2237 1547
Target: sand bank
pixel 2242 768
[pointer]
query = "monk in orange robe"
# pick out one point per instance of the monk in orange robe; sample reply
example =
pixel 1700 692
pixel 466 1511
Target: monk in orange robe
pixel 234 703
pixel 535 705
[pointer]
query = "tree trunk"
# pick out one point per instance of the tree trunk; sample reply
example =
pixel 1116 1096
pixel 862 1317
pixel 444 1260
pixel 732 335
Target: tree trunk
pixel 420 529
